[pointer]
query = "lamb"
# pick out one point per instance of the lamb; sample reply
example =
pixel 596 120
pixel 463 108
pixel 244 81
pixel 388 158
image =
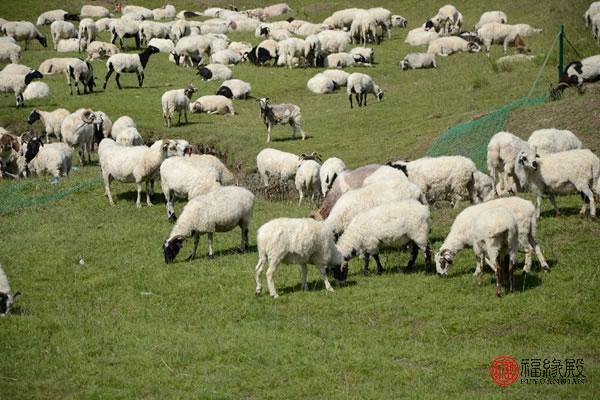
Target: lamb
pixel 307 176
pixel 70 45
pixel 48 17
pixel 164 45
pixel 23 30
pixel 80 129
pixel 421 37
pixel 329 171
pixel 448 20
pixel 484 187
pixel 442 178
pixel 124 28
pixel 80 71
pixel 235 89
pixel 276 163
pixel 93 12
pixel 36 90
pixel 573 171
pixel 7 298
pixel 149 30
pixel 209 161
pixel 52 121
pixel 215 72
pixel 131 164
pixel 446 46
pixel 213 104
pixel 182 178
pixel 340 78
pixel 176 100
pixel 166 12
pixel 280 114
pixel 321 84
pixel 364 55
pixel 62 30
pixel 489 17
pixel 220 210
pixel 192 48
pixel 418 60
pixel 87 32
pixel 502 152
pixel 553 140
pixel 128 63
pixel 295 240
pixel 226 57
pixel 101 50
pixel 592 10
pixel 54 158
pixel 17 83
pixel 579 72
pixel 503 33
pixel 361 85
pixel 394 224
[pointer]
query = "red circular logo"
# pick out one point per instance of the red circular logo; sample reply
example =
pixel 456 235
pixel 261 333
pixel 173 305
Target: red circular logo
pixel 504 370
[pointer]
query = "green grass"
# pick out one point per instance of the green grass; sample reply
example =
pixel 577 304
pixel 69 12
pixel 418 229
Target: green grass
pixel 125 325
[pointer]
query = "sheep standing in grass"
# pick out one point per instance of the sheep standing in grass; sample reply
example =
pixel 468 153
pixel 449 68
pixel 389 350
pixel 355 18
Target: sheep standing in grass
pixel 329 171
pixel 48 17
pixel 484 187
pixel 52 121
pixel 418 60
pixel 235 89
pixel 87 32
pixel 502 152
pixel 364 28
pixel 16 83
pixel 125 28
pixel 62 30
pixel 295 241
pixel 592 10
pixel 193 49
pixel 9 52
pixel 280 114
pixel 360 85
pixel 23 30
pixel 80 71
pixel 291 49
pixel 54 158
pixel 128 63
pixel 80 129
pixel 448 21
pixel 176 100
pixel 149 30
pixel 213 104
pixel 215 72
pixel 553 140
pixel 503 33
pixel 276 163
pixel 446 46
pixel 307 176
pixel 394 225
pixel 220 210
pixel 7 297
pixel 573 171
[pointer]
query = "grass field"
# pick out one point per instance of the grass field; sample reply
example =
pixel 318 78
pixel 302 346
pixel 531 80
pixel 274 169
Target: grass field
pixel 125 325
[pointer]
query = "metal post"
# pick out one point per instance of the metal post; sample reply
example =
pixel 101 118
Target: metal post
pixel 561 41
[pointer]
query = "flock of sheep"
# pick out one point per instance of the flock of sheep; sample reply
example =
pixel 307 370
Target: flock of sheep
pixel 364 210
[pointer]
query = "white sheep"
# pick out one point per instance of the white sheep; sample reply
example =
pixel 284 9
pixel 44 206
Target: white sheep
pixel 421 37
pixel 240 47
pixel 80 71
pixel 553 140
pixel 179 29
pixel 276 10
pixel 579 72
pixel 341 60
pixel 70 45
pixel 592 10
pixel 276 163
pixel 395 224
pixel 79 129
pixel 418 60
pixel 163 45
pixel 502 152
pixel 361 85
pixel 193 49
pixel 53 158
pixel 16 83
pixel 295 241
pixel 128 63
pixel 290 49
pixel 104 24
pixel 52 121
pixel 503 33
pixel 265 51
pixel 307 176
pixel 307 28
pixel 182 178
pixel 333 41
pixel 341 19
pixel 383 18
pixel 215 72
pixel 573 171
pixel 461 233
pixel 484 187
pixel 7 297
pixel 166 12
pixel 280 114
pixel 491 16
pixel 235 89
pixel 87 32
pixel 53 66
pixel 399 21
pixel 90 11
pixel 446 46
pixel 212 104
pixel 596 27
pixel 176 100
pixel 143 12
pixel 131 164
pixel 106 123
pixel 19 69
pixel 121 124
pixel 226 57
pixel 129 136
pixel 208 160
pixel 149 30
pixel 364 28
pixel 23 30
pixel 244 24
pixel 321 84
pixel 448 21
pixel 48 17
pixel 62 30
pixel 364 55
pixel 330 170
pixel 101 50
pixel 219 210
pixel 340 78
pixel 36 90
pixel 182 147
pixel 125 28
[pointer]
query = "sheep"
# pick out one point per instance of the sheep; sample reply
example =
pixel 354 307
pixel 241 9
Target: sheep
pixel 104 24
pixel 495 32
pixel 363 28
pixel 505 61
pixel 307 176
pixel 363 54
pixel 212 104
pixel 394 224
pixel 150 30
pixel 215 72
pixel 446 46
pixel 48 17
pixel 360 85
pixel 329 171
pixel 442 178
pixel 131 164
pixel 592 10
pixel 23 30
pixel 461 234
pixel 577 73
pixel 52 121
pixel 484 187
pixel 418 60
pixel 166 12
pixel 123 28
pixel 137 11
pixel 7 297
pixel 225 57
pixel 276 163
pixel 306 28
pixel 341 60
pixel 448 20
pixel 93 12
pixel 36 90
pixel 265 51
pixel 62 30
pixel 420 37
pixel 240 47
pixel 502 152
pixel 18 69
pixel 180 177
pixel 129 136
pixel 176 100
pixel 573 171
pixel 291 49
pixel 70 45
pixel 80 129
pixel 596 27
pixel 179 29
pixel 219 210
pixel 489 17
pixel 553 140
pixel 182 148
pixel 221 43
pixel 163 45
pixel 105 122
pixel 53 66
pixel 295 240
pixel 54 158
pixel 215 26
pixel 399 21
pixel 276 10
pixel 7 39
pixel 244 24
pixel 192 48
pixel 128 63
pixel 383 18
pixel 341 19
pixel 235 89
pixel 209 161
pixel 321 84
pixel 87 32
pixel 121 124
pixel 280 114
pixel 340 78
pixel 10 148
pixel 333 41
pixel 17 83
pixel 101 50
pixel 80 71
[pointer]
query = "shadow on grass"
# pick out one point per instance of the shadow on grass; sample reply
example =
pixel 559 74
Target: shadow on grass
pixel 315 286
pixel 202 254
pixel 287 139
pixel 564 212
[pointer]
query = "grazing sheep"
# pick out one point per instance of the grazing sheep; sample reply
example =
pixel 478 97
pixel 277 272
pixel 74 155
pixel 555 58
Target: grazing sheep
pixel 290 50
pixel 215 72
pixel 364 28
pixel 7 298
pixel 54 158
pixel 448 21
pixel 166 12
pixel 360 85
pixel 573 171
pixel 9 52
pixel 553 140
pixel 295 241
pixel 80 129
pixel 17 83
pixel 579 72
pixel 365 55
pixel 226 57
pixel 52 121
pixel 280 114
pixel 321 84
pixel 131 164
pixel 395 225
pixel 399 21
pixel 592 10
pixel 70 45
pixel 489 17
pixel 340 78
pixel 329 171
pixel 87 32
pixel 418 60
pixel 446 46
pixel 124 28
pixel 484 187
pixel 220 210
pixel 149 30
pixel 36 90
pixel 235 89
pixel 208 160
pixel 502 152
pixel 80 71
pixel 90 11
pixel 213 104
pixel 128 63
pixel 62 30
pixel 23 30
pixel 163 45
pixel 276 163
pixel 420 37
pixel 307 176
pixel 101 50
pixel 341 19
pixel 503 33
pixel 383 19
pixel 193 49
pixel 48 17
pixel 176 100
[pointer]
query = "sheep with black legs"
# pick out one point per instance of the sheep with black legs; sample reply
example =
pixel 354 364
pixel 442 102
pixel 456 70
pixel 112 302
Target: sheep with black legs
pixel 214 72
pixel 193 49
pixel 53 158
pixel 329 171
pixel 418 60
pixel 52 121
pixel 553 140
pixel 80 71
pixel 577 73
pixel 213 104
pixel 48 17
pixel 364 28
pixel 235 89
pixel 80 129
pixel 360 85
pixel 128 63
pixel 87 32
pixel 16 83
pixel 9 52
pixel 149 30
pixel 592 10
pixel 7 297
pixel 307 179
pixel 176 100
pixel 280 114
pixel 220 210
pixel 23 30
pixel 124 28
pixel 502 152
pixel 62 30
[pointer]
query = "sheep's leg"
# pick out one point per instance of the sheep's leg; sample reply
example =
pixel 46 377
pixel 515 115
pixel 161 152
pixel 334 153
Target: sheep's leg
pixel 179 118
pixel 138 202
pixel 584 204
pixel 185 115
pixel 479 270
pixel 350 99
pixel 414 251
pixel 590 197
pixel 139 78
pixel 553 201
pixel 262 260
pixel 244 243
pixel 148 194
pixel 303 273
pixel 323 270
pixel 506 45
pixel 270 283
pixel 301 193
pixel 210 245
pixel 538 204
pixel 196 243
pixel 511 277
pixel 108 74
pixel 80 153
pixel 269 133
pixel 265 178
pixel 167 119
pixel 428 263
pixel 293 130
pixel 107 179
pixel 366 264
pixel 117 76
pixel 299 125
pixel 498 279
pixel 364 95
pixel 170 199
pixel 379 266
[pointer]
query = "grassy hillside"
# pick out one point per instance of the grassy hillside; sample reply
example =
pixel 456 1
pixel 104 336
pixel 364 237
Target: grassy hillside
pixel 125 325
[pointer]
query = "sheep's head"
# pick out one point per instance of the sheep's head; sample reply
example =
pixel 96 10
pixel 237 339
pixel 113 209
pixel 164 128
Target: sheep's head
pixel 98 128
pixel 189 91
pixel 474 47
pixel 33 116
pixel 443 260
pixel 88 116
pixel 399 21
pixel 176 57
pixel 33 148
pixel 195 107
pixel 8 143
pixel 340 272
pixel 378 93
pixel 430 24
pixel 264 31
pixel 527 160
pixel 204 72
pixel 35 74
pixel 6 302
pixel 171 248
pixel 399 165
pixel 263 102
pixel 404 64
